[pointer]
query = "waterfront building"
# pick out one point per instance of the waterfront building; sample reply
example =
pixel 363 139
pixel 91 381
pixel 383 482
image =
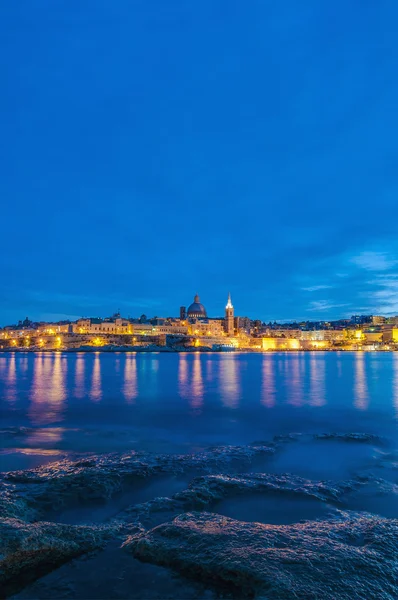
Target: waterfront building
pixel 108 326
pixel 229 324
pixel 242 324
pixel 378 320
pixel 206 327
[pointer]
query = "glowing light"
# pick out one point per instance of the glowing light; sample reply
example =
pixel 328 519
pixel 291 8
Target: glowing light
pixel 59 341
pixel 268 344
pixel 229 303
pixel 294 344
pixel 98 341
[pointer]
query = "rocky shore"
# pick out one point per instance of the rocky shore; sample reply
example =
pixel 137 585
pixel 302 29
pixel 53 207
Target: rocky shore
pixel 339 553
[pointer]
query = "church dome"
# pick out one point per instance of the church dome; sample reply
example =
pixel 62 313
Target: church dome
pixel 196 310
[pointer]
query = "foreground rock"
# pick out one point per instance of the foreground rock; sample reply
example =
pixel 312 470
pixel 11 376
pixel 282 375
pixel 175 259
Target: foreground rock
pixel 66 482
pixel 353 557
pixel 204 493
pixel 30 550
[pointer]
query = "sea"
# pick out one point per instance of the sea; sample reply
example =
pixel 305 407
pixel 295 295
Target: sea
pixel 323 421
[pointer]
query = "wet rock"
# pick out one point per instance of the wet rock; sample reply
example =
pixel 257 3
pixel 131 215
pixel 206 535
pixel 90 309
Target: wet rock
pixel 29 550
pixel 365 438
pixel 352 557
pixel 95 478
pixel 204 492
pixel 13 504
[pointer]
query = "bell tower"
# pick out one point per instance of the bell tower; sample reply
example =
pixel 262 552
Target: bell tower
pixel 229 326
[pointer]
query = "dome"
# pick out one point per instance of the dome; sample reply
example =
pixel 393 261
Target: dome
pixel 196 310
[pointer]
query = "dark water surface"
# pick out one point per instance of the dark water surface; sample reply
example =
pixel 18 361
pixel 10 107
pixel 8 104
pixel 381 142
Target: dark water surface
pixel 106 402
pixel 330 418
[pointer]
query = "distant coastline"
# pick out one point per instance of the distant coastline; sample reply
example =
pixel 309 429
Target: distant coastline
pixel 188 350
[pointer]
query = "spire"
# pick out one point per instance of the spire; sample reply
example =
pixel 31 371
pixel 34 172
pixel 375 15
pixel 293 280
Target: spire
pixel 229 303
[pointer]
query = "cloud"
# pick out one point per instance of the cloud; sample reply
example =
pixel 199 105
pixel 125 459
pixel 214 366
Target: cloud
pixel 385 298
pixel 374 261
pixel 323 305
pixel 315 288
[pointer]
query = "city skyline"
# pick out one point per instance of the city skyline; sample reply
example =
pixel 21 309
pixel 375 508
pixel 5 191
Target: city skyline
pixel 218 314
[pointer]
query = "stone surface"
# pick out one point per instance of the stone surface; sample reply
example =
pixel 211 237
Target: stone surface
pixel 29 550
pixel 352 557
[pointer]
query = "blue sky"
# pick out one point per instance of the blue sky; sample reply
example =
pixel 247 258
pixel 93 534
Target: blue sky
pixel 153 149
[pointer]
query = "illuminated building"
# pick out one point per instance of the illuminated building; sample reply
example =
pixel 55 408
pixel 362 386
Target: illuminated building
pixel 118 325
pixel 378 320
pixel 229 324
pixel 243 324
pixel 196 310
pixel 209 327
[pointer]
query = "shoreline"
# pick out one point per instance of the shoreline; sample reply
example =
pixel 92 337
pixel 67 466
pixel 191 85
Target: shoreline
pixel 166 350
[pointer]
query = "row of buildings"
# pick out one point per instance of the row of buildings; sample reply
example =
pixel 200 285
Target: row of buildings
pixel 194 328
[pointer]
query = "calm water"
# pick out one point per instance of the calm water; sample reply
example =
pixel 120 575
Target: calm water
pixel 180 402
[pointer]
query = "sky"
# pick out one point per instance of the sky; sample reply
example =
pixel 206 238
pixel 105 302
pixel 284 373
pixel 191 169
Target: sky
pixel 154 149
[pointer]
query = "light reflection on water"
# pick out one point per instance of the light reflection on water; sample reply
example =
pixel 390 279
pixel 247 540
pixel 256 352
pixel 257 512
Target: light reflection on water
pixel 361 387
pixel 95 391
pixel 79 389
pixel 268 393
pixel 229 381
pixel 317 382
pixel 190 381
pixel 395 384
pixel 130 389
pixel 183 386
pixel 48 389
pixel 54 392
pixel 295 383
pixel 11 392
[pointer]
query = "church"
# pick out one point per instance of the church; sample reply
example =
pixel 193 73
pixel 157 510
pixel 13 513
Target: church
pixel 201 324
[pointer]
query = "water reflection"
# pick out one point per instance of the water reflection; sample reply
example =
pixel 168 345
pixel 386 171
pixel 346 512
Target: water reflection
pixel 395 383
pixel 130 388
pixel 339 368
pixel 79 391
pixel 151 389
pixel 229 381
pixel 11 381
pixel 361 400
pixel 295 382
pixel 209 370
pixel 268 395
pixel 317 381
pixel 47 396
pixel 190 380
pixel 197 383
pixel 95 390
pixel 183 387
pixel 23 364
